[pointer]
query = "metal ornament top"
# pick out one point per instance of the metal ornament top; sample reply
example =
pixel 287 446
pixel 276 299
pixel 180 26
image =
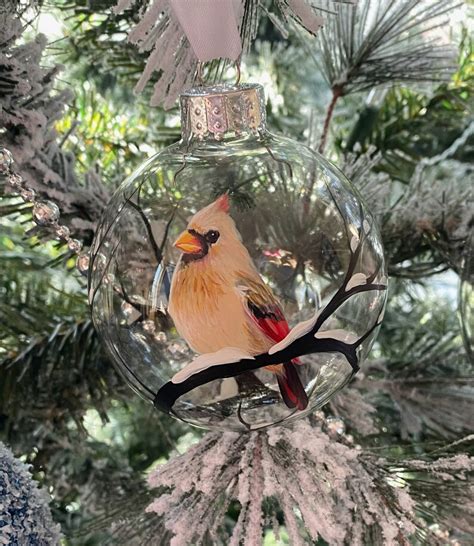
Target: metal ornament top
pixel 221 111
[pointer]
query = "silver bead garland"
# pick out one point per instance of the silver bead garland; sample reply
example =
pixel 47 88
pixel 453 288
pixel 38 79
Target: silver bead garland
pixel 45 212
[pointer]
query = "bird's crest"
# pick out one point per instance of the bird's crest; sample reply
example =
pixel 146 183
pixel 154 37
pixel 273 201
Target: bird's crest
pixel 222 203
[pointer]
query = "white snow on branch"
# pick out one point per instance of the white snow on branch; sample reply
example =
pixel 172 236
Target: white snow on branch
pixel 252 468
pixel 354 243
pixel 339 334
pixel 358 279
pixel 206 361
pixel 301 329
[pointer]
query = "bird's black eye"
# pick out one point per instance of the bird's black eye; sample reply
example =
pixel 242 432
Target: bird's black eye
pixel 212 236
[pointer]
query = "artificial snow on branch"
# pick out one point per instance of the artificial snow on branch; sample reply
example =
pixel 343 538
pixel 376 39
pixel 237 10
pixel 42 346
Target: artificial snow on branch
pixel 313 484
pixel 30 107
pixel 25 516
pixel 432 211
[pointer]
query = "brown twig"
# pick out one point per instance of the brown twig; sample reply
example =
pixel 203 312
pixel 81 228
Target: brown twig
pixel 337 92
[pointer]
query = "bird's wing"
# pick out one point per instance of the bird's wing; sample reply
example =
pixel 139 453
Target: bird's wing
pixel 266 313
pixel 263 309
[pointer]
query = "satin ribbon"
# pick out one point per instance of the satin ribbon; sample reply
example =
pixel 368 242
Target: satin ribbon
pixel 211 26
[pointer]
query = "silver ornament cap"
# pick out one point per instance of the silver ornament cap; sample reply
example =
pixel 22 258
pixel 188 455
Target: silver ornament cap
pixel 221 111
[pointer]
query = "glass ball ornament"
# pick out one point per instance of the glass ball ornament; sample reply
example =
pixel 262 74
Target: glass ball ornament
pixel 236 278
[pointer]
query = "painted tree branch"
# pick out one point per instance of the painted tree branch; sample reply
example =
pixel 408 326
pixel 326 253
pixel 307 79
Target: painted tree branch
pixel 305 338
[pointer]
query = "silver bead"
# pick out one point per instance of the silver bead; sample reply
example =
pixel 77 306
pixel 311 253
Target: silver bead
pixel 149 326
pixel 62 231
pixel 319 416
pixel 82 264
pixel 45 212
pixel 108 278
pixel 15 180
pixel 161 337
pixel 74 245
pixel 177 348
pixel 127 309
pixel 28 194
pixel 6 160
pixel 334 426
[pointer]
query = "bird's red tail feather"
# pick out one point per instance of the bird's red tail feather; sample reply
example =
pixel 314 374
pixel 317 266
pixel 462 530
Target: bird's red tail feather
pixel 291 388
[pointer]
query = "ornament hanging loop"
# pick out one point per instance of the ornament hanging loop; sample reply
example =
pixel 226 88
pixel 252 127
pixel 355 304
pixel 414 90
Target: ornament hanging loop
pixel 239 73
pixel 201 80
pixel 199 76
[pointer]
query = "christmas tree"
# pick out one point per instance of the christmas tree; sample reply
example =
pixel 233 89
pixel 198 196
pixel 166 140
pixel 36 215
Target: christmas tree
pixel 384 90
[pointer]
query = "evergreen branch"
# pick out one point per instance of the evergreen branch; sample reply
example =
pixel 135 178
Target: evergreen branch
pixel 57 376
pixel 336 93
pixel 420 365
pixel 369 44
pixel 273 472
pixel 30 109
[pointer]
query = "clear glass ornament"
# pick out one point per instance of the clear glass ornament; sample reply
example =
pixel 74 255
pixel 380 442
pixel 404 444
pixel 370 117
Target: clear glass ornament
pixel 45 212
pixel 256 262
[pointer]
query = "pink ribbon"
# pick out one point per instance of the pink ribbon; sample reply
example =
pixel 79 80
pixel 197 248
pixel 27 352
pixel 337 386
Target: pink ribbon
pixel 211 26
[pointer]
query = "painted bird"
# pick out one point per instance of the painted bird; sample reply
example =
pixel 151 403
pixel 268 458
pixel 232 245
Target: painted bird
pixel 218 298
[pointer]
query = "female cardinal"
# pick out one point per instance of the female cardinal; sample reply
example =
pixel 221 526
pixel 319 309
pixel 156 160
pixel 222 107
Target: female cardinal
pixel 219 300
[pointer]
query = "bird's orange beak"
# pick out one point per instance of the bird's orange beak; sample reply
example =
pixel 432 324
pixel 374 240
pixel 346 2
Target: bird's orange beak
pixel 189 243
